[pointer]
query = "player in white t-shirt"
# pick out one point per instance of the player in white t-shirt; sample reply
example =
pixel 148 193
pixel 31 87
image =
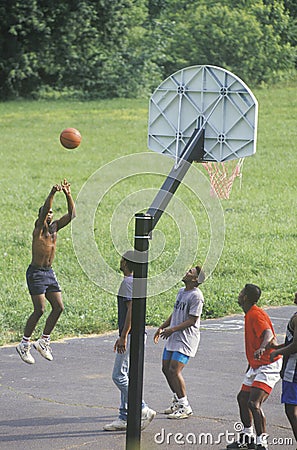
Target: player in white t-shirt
pixel 182 333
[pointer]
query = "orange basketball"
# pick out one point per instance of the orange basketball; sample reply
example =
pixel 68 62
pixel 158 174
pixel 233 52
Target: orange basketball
pixel 70 138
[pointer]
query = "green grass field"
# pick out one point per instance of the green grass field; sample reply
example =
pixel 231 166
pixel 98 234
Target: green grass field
pixel 260 221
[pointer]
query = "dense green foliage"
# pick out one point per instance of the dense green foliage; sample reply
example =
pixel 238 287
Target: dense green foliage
pixel 84 46
pixel 260 219
pixel 124 48
pixel 249 38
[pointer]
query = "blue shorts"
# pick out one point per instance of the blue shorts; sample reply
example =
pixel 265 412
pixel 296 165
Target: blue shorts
pixel 41 280
pixel 289 392
pixel 176 356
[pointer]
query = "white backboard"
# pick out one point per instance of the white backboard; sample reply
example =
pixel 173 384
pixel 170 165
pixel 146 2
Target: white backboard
pixel 209 97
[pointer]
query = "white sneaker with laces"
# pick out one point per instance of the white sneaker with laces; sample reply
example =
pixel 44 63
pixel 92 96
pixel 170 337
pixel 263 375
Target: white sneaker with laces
pixel 147 415
pixel 44 349
pixel 173 407
pixel 24 352
pixel 182 412
pixel 116 425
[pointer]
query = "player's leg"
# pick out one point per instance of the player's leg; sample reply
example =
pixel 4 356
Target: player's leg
pixel 246 437
pixel 55 300
pixel 42 345
pixel 244 410
pixel 172 366
pixel 165 369
pixel 266 376
pixel 39 302
pixel 54 296
pixel 176 380
pixel 291 413
pixel 257 397
pixel 23 348
pixel 120 377
pixel 37 287
pixel 166 359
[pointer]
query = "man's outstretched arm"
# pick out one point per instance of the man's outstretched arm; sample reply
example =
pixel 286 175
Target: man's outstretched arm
pixel 66 219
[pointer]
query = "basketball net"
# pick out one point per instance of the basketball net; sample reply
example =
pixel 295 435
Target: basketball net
pixel 222 176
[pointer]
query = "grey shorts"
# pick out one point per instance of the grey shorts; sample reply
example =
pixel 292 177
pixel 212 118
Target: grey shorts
pixel 41 280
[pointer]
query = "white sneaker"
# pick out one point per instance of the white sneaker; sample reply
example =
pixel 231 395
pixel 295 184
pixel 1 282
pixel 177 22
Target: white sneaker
pixel 147 415
pixel 173 407
pixel 182 412
pixel 44 349
pixel 116 425
pixel 24 352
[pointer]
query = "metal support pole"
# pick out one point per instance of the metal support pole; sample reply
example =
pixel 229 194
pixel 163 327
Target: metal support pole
pixel 144 224
pixel 143 227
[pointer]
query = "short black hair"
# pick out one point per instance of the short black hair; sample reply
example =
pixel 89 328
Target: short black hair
pixel 129 257
pixel 252 292
pixel 200 274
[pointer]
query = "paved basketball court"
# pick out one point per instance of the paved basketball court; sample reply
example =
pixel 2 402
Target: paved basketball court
pixel 64 404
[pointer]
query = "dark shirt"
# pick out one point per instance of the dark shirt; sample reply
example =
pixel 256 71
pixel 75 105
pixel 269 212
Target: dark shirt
pixel 124 295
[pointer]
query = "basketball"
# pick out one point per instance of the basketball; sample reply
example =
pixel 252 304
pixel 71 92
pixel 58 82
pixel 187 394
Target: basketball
pixel 70 138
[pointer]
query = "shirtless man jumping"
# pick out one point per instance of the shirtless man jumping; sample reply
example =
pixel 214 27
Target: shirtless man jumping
pixel 41 279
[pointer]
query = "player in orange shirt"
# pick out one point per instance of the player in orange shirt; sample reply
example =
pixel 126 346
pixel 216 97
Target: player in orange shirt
pixel 261 376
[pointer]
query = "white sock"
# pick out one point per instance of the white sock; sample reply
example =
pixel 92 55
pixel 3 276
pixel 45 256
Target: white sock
pixel 262 440
pixel 183 401
pixel 46 337
pixel 248 430
pixel 25 340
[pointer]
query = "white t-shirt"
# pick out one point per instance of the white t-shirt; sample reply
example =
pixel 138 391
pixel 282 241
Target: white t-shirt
pixel 188 303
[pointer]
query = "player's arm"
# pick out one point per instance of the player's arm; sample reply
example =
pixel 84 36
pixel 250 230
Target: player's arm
pixel 120 345
pixel 161 328
pixel 288 349
pixel 274 345
pixel 66 219
pixel 267 336
pixel 180 327
pixel 43 211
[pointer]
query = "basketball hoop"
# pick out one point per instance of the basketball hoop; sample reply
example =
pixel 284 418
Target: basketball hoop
pixel 212 99
pixel 222 176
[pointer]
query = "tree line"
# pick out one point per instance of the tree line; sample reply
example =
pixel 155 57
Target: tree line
pixel 125 48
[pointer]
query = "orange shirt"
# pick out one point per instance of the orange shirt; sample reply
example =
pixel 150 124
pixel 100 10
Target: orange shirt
pixel 256 322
